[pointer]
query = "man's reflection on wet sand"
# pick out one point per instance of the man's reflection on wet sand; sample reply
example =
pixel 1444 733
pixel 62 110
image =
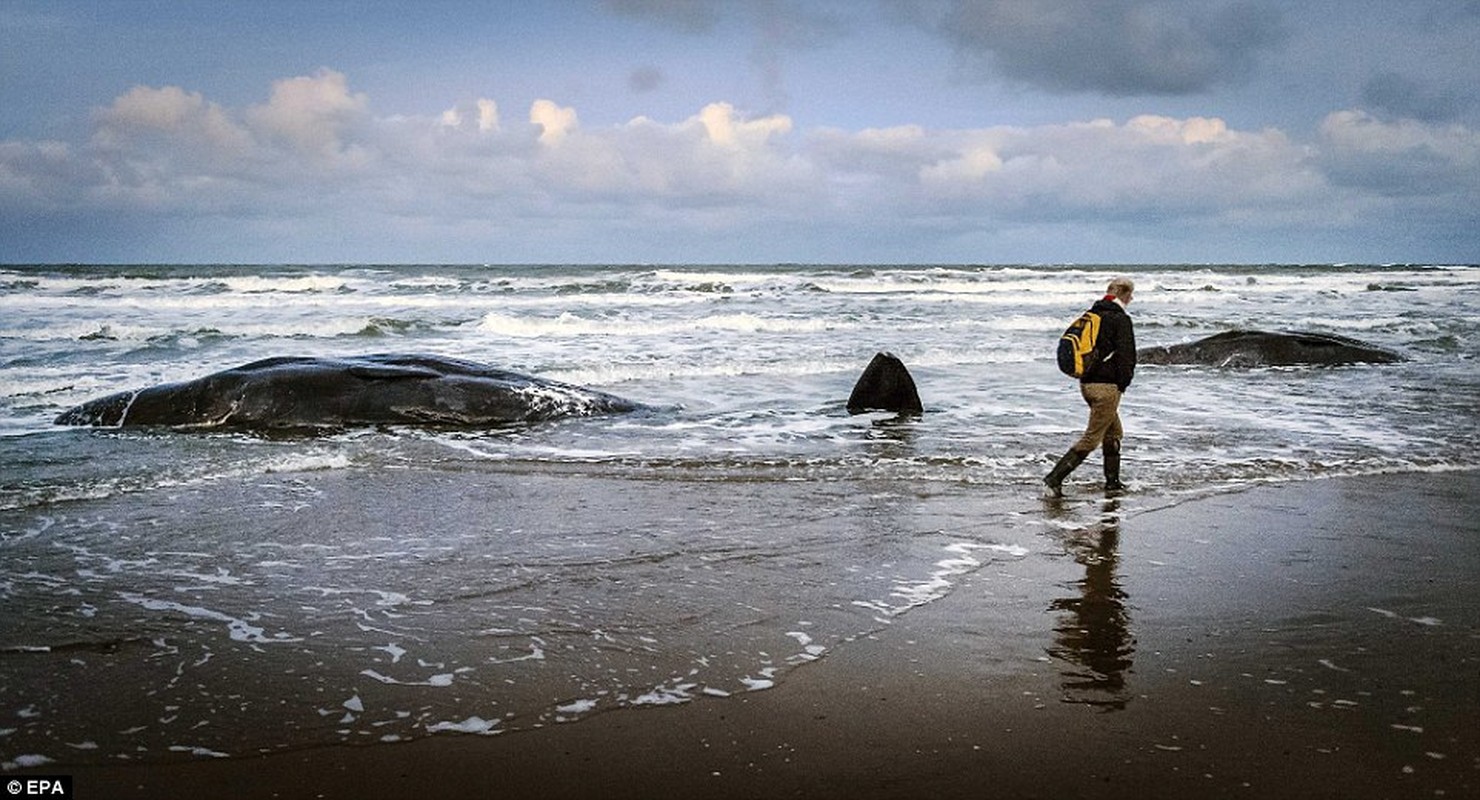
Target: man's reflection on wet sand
pixel 1092 639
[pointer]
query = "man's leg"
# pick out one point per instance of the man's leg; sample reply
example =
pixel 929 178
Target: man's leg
pixel 1113 436
pixel 1104 416
pixel 1067 463
pixel 1112 466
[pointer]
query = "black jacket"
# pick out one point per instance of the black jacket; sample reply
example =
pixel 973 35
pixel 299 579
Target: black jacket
pixel 1116 346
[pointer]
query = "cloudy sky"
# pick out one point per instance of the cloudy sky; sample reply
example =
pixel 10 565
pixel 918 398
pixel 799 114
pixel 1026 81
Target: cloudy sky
pixel 760 131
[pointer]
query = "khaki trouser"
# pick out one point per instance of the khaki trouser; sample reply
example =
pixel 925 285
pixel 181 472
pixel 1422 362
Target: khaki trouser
pixel 1104 416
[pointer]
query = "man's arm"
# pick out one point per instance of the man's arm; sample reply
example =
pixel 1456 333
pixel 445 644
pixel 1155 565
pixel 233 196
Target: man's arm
pixel 1125 354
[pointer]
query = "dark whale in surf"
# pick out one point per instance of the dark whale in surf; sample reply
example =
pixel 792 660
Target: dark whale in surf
pixel 302 392
pixel 885 385
pixel 1262 349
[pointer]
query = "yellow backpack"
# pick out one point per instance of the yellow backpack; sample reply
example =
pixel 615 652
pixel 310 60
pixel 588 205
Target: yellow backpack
pixel 1077 347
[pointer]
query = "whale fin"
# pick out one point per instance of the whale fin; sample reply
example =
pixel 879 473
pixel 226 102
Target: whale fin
pixel 885 386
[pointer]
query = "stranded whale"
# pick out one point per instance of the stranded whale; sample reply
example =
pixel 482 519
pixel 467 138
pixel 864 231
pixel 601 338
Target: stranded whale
pixel 885 385
pixel 1261 349
pixel 302 392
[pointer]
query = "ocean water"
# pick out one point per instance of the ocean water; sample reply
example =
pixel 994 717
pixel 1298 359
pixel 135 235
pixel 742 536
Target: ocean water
pixel 249 593
pixel 753 365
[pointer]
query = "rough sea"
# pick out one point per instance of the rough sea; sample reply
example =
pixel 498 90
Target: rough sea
pixel 223 593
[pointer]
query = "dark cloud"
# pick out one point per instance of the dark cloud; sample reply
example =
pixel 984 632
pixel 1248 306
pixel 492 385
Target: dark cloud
pixel 691 16
pixel 779 27
pixel 1443 15
pixel 1401 96
pixel 646 78
pixel 1115 47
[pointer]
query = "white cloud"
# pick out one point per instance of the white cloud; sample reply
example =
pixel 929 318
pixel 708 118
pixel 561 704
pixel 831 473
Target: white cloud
pixel 487 115
pixel 715 156
pixel 314 151
pixel 1401 157
pixel 1196 130
pixel 483 115
pixel 1357 132
pixel 970 167
pixel 171 114
pixel 724 129
pixel 1148 165
pixel 310 113
pixel 554 120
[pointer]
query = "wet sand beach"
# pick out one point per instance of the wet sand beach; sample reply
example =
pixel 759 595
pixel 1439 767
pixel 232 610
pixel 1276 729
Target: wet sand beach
pixel 1310 639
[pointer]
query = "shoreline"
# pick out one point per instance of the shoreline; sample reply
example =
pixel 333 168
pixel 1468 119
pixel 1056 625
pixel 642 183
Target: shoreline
pixel 1312 639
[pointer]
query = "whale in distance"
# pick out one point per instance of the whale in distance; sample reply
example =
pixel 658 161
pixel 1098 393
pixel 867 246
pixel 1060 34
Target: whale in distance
pixel 384 389
pixel 1263 349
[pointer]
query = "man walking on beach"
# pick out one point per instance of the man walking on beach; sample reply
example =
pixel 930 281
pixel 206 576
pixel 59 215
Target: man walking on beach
pixel 1101 387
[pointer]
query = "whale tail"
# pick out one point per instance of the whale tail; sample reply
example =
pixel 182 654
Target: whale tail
pixel 885 386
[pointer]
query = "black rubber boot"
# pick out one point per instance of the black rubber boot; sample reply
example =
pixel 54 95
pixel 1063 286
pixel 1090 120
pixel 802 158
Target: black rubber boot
pixel 1112 466
pixel 1061 470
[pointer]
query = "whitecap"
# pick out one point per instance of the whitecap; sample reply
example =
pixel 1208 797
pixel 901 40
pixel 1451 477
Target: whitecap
pixel 439 680
pixel 198 751
pixel 666 695
pixel 581 706
pixel 25 762
pixel 239 629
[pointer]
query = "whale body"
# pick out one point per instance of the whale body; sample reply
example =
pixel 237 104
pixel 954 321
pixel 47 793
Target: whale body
pixel 1263 349
pixel 304 392
pixel 885 385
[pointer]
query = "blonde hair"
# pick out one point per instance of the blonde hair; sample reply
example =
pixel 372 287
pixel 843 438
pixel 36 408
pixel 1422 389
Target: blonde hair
pixel 1121 286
